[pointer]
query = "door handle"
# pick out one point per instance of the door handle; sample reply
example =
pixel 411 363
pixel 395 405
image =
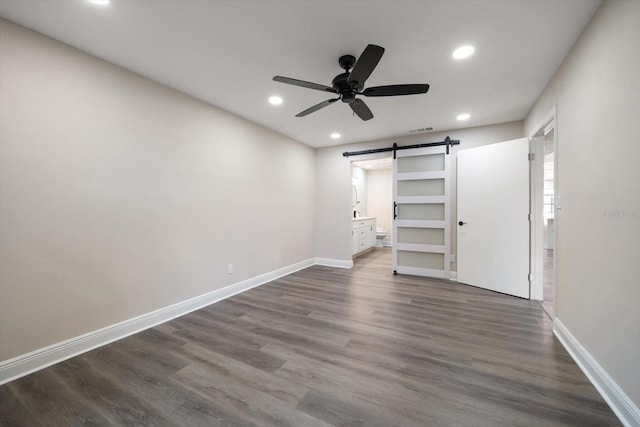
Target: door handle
pixel 395 214
pixel 461 223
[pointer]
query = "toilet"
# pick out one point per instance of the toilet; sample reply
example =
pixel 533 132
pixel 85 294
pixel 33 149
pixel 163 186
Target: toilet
pixel 380 234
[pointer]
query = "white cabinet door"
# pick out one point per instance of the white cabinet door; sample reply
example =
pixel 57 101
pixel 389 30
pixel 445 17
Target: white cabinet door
pixel 371 234
pixel 363 235
pixel 355 246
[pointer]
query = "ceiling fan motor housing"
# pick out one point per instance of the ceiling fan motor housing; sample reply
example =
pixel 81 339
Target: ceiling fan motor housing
pixel 344 88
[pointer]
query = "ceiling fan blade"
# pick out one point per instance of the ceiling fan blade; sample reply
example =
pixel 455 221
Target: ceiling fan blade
pixel 394 90
pixel 317 107
pixel 365 65
pixel 302 83
pixel 360 108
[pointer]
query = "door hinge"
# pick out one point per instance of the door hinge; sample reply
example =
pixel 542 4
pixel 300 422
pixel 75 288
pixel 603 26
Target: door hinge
pixel 530 277
pixel 530 217
pixel 532 156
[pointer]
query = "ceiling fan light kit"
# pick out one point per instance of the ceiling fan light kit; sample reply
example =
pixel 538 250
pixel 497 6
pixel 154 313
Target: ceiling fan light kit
pixel 351 83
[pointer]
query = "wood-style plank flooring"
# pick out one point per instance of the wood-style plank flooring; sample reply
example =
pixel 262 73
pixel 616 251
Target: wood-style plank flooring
pixel 320 347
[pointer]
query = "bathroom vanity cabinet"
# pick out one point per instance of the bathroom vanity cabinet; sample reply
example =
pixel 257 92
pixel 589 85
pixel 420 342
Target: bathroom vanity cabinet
pixel 363 235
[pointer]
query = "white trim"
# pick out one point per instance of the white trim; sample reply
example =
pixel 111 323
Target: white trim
pixel 549 117
pixel 536 137
pixel 337 263
pixel 536 223
pixel 409 200
pixel 423 272
pixel 453 276
pixel 620 403
pixel 419 247
pixel 418 223
pixel 25 364
pixel 415 176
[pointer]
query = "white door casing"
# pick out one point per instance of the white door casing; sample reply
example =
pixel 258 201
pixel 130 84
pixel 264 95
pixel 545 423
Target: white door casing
pixel 493 207
pixel 421 224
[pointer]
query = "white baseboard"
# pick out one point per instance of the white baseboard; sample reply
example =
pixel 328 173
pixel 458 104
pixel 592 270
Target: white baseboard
pixel 387 243
pixel 453 276
pixel 622 406
pixel 25 364
pixel 338 263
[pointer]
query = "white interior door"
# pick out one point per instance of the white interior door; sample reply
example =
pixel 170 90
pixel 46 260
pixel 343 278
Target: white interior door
pixel 493 208
pixel 421 234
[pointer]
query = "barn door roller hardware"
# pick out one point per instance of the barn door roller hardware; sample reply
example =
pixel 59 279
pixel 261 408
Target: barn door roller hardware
pixel 447 141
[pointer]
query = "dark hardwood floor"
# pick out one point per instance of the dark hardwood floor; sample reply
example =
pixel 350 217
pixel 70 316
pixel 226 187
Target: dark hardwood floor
pixel 325 346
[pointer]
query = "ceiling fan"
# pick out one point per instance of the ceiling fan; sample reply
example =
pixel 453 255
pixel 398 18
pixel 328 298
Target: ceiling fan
pixel 351 83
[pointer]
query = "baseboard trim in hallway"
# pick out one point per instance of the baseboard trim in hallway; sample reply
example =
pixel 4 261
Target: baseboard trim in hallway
pixel 338 263
pixel 620 403
pixel 36 360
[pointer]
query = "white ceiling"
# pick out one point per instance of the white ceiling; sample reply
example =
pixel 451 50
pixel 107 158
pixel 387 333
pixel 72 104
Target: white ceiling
pixel 226 53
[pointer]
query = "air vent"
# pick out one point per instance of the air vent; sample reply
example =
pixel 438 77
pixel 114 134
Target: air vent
pixel 420 130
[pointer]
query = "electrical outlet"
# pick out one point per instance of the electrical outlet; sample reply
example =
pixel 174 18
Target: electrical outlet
pixel 453 258
pixel 229 268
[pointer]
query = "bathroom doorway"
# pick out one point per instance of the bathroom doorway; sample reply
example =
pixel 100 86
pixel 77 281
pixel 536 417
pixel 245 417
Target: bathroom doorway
pixel 372 195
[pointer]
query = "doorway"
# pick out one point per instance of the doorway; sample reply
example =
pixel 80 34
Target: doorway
pixel 371 180
pixel 544 201
pixel 548 215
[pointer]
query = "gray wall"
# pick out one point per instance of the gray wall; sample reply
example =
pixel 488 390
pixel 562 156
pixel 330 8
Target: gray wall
pixel 333 198
pixel 597 93
pixel 119 196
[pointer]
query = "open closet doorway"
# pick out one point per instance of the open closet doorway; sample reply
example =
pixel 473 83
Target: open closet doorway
pixel 371 208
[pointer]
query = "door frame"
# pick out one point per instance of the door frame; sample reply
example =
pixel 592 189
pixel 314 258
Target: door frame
pixel 373 156
pixel 536 146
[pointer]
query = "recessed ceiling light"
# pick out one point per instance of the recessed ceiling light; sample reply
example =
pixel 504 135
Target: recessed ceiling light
pixel 463 116
pixel 275 100
pixel 335 135
pixel 463 52
pixel 99 2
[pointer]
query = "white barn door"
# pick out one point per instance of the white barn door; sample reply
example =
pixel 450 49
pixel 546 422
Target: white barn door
pixel 421 234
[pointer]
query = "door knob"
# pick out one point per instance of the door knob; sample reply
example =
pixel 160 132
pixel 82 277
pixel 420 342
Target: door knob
pixel 461 223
